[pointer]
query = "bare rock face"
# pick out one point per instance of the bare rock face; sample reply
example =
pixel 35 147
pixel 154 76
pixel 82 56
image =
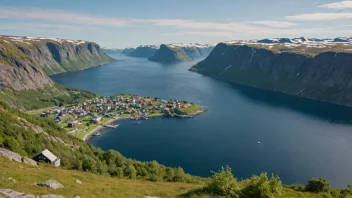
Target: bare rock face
pixel 25 62
pixel 320 71
pixel 10 155
pixel 51 184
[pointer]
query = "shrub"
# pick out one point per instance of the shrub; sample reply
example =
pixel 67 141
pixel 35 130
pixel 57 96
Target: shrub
pixel 262 187
pixel 223 183
pixel 317 185
pixel 297 187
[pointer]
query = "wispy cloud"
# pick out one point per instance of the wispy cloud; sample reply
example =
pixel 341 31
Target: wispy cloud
pixel 275 24
pixel 319 16
pixel 62 16
pixel 217 34
pixel 338 5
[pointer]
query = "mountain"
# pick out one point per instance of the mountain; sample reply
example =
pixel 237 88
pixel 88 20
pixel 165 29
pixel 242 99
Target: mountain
pixel 181 52
pixel 54 55
pixel 319 69
pixel 144 51
pixel 127 50
pixel 26 62
pixel 111 50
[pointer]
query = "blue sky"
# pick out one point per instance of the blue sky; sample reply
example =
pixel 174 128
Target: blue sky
pixel 117 23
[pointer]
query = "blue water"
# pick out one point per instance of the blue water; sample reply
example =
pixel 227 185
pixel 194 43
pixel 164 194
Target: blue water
pixel 299 138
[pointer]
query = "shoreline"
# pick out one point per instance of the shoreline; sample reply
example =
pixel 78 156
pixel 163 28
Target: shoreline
pixel 100 126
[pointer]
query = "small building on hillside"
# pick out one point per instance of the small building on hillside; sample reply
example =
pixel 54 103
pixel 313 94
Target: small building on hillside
pixel 47 157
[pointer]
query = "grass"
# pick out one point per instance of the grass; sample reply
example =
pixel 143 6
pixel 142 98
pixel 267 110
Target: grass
pixel 101 186
pixel 92 185
pixel 191 109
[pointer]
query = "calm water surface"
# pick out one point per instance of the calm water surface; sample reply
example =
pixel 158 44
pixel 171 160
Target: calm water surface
pixel 299 138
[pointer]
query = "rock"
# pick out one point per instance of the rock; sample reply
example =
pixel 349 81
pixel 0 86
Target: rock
pixel 29 161
pixel 77 197
pixel 10 155
pixel 78 181
pixel 149 197
pixel 51 196
pixel 51 184
pixel 13 194
pixel 12 179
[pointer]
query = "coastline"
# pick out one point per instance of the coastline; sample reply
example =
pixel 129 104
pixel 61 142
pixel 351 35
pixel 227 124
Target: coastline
pixel 99 127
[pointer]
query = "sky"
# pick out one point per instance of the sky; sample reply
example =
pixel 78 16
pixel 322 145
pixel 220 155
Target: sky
pixel 130 23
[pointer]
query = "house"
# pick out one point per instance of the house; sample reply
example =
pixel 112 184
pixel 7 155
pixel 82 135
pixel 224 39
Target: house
pixel 47 157
pixel 44 114
pixel 95 119
pixel 72 124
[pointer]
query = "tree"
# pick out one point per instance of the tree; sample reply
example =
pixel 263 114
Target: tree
pixel 223 183
pixel 131 172
pixel 262 187
pixel 318 185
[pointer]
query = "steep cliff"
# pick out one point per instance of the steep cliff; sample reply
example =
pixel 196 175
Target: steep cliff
pixel 25 62
pixel 58 55
pixel 320 70
pixel 180 52
pixel 144 51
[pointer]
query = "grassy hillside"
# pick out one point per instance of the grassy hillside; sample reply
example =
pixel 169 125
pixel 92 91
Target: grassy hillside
pixel 92 185
pixel 46 97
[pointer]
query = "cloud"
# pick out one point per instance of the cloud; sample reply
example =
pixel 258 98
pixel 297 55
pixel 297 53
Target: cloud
pixel 216 34
pixel 338 5
pixel 44 26
pixel 275 24
pixel 62 16
pixel 319 16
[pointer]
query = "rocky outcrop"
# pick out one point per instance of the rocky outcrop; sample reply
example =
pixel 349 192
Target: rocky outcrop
pixel 25 62
pixel 127 51
pixel 181 52
pixel 51 184
pixel 16 157
pixel 316 70
pixel 144 51
pixel 14 194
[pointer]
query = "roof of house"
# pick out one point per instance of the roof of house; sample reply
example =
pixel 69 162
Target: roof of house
pixel 49 155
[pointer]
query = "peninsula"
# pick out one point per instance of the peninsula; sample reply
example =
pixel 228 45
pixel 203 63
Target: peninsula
pixel 86 118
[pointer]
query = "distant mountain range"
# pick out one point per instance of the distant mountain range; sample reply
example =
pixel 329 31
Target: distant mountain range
pixel 181 52
pixel 167 52
pixel 319 69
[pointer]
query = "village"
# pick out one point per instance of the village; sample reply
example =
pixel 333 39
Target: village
pixel 83 118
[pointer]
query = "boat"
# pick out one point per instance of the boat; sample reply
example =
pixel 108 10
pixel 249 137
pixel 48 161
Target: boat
pixel 97 134
pixel 137 122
